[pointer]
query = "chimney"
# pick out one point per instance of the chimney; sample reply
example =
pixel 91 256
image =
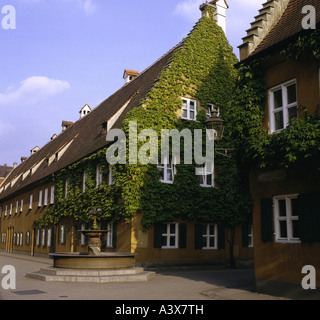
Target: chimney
pixel 23 159
pixel 66 124
pixel 220 7
pixel 129 75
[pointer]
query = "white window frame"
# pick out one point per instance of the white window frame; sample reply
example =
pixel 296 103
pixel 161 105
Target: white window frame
pixel 84 180
pixel 110 176
pixel 40 198
pixel 21 205
pixel 204 177
pixel 62 234
pixel 186 107
pixel 288 219
pixel 285 105
pixel 46 192
pixel 109 242
pixel 49 237
pixel 30 201
pixel 52 195
pixel 168 235
pixel 10 213
pixel 6 210
pixel 99 175
pixel 17 206
pixel 167 167
pixel 207 236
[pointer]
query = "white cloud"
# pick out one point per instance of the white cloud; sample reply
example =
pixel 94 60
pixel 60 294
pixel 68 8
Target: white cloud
pixel 88 6
pixel 33 90
pixel 189 9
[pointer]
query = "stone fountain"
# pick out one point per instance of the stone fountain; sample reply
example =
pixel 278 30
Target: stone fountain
pixel 93 265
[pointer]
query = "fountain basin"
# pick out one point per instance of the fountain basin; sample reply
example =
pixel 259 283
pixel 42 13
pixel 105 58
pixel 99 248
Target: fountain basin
pixel 82 260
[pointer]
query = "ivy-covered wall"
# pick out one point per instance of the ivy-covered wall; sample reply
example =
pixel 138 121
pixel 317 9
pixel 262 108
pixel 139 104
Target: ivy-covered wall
pixel 201 68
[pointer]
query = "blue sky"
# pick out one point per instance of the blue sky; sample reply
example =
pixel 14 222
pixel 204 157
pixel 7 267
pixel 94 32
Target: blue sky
pixel 66 53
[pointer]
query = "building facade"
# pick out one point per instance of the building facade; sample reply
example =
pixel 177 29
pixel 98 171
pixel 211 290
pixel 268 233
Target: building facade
pixel 161 212
pixel 284 180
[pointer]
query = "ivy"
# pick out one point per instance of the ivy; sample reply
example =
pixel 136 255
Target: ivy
pixel 201 68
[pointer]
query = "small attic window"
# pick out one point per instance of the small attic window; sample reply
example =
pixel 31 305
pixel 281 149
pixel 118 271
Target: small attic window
pixel 129 75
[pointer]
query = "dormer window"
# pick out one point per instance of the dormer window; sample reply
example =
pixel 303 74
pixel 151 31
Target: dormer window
pixel 189 109
pixel 84 111
pixel 129 75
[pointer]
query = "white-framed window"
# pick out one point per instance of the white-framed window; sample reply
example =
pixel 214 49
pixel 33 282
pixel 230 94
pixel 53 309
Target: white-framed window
pixel 10 213
pixel 63 234
pixel 38 237
pixel 52 195
pixel 110 176
pixel 6 210
pixel 167 170
pixel 21 239
pixel 189 109
pixel 283 105
pixel 99 175
pixel 28 237
pixel 21 205
pixel 170 235
pixel 209 236
pixel 46 193
pixel 66 187
pixel 30 201
pixel 109 242
pixel 84 180
pixel 17 206
pixel 286 218
pixel 206 179
pixel 40 198
pixel 49 237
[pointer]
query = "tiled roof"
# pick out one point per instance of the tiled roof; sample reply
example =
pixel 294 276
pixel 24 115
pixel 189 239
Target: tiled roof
pixel 86 135
pixel 4 171
pixel 290 24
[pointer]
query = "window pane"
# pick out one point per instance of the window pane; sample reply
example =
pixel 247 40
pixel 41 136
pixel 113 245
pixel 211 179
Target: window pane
pixel 184 104
pixel 283 229
pixel 211 229
pixel 184 113
pixel 161 170
pixel 282 208
pixel 292 112
pixel 278 119
pixel 204 242
pixel 172 241
pixel 204 229
pixel 295 228
pixel 192 105
pixel 191 114
pixel 277 99
pixel 172 228
pixel 169 174
pixel 294 207
pixel 211 242
pixel 292 93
